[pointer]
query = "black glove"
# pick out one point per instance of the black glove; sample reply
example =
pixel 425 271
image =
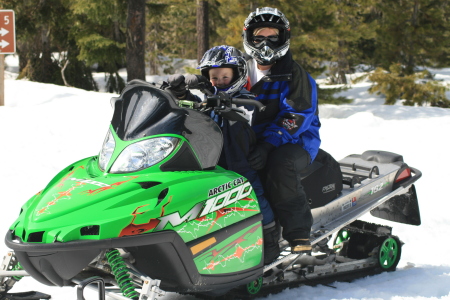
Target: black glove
pixel 177 85
pixel 258 157
pixel 199 82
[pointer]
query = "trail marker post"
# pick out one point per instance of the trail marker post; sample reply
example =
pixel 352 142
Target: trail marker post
pixel 7 45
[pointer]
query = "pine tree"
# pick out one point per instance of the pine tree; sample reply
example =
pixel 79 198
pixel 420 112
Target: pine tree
pixel 42 30
pixel 100 35
pixel 413 33
pixel 232 14
pixel 396 85
pixel 171 33
pixel 153 27
pixel 135 52
pixel 351 25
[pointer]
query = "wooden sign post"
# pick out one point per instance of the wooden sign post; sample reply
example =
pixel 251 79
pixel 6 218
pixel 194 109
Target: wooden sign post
pixel 7 45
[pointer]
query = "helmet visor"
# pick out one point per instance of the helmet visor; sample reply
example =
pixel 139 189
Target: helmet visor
pixel 258 39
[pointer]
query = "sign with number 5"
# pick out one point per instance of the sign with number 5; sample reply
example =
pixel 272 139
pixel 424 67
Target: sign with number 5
pixel 7 32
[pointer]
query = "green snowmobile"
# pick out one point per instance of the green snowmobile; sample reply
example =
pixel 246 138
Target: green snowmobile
pixel 154 213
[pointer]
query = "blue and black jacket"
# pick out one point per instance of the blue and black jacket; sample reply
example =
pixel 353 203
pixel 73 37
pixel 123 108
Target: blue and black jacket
pixel 292 114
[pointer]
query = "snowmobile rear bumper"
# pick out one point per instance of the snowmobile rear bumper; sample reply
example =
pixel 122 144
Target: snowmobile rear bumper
pixel 160 255
pixel 403 208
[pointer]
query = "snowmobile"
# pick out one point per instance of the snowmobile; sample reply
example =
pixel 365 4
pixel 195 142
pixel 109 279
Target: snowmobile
pixel 153 213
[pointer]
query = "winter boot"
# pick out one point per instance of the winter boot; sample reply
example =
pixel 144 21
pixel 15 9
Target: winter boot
pixel 271 233
pixel 300 246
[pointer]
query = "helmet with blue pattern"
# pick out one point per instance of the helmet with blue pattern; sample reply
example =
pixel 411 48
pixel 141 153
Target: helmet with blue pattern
pixel 226 57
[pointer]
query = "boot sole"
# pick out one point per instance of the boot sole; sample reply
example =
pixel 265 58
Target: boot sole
pixel 301 249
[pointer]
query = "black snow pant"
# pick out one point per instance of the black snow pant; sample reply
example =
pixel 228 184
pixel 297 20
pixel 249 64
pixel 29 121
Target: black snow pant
pixel 239 138
pixel 284 190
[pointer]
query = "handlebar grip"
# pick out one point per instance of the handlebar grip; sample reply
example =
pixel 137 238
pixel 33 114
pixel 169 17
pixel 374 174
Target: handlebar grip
pixel 251 102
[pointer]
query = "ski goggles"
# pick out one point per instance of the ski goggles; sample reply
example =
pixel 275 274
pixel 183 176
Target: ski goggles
pixel 260 38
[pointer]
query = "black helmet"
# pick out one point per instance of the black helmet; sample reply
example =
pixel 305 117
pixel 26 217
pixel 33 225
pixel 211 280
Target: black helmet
pixel 226 57
pixel 266 52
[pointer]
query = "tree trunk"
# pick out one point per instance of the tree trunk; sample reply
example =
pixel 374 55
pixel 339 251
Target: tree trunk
pixel 154 60
pixel 342 64
pixel 46 60
pixel 135 52
pixel 22 51
pixel 202 28
pixel 410 60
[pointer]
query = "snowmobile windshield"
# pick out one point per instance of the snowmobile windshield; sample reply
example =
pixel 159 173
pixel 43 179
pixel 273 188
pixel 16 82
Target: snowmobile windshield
pixel 143 110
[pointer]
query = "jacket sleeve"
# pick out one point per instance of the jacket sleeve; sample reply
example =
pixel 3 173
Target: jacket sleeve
pixel 298 109
pixel 191 97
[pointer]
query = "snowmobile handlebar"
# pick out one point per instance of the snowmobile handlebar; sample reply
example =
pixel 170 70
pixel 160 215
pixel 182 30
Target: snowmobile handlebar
pixel 256 103
pixel 223 100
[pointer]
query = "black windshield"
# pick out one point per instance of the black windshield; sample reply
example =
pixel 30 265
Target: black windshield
pixel 144 110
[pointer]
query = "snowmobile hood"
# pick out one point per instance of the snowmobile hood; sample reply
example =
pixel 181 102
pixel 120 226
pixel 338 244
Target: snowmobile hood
pixel 77 205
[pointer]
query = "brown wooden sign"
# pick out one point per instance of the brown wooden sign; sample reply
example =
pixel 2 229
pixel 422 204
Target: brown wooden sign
pixel 7 32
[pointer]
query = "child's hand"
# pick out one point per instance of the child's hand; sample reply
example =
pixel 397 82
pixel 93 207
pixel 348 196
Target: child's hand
pixel 199 82
pixel 177 85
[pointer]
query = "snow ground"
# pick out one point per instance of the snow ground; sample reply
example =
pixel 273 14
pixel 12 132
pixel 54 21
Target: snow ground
pixel 44 128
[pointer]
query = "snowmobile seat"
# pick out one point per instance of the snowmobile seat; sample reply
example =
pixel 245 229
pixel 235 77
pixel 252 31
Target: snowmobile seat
pixel 382 157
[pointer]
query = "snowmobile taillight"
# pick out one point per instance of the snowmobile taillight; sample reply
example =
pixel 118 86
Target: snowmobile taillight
pixel 405 173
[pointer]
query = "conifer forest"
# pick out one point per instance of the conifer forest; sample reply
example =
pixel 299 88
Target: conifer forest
pixel 397 43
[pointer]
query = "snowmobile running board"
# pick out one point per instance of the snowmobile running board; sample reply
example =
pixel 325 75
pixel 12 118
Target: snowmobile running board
pixel 342 222
pixel 150 289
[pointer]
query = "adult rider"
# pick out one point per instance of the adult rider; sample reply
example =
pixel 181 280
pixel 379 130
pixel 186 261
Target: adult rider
pixel 287 130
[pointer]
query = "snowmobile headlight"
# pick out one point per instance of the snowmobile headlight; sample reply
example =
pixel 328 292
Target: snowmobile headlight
pixel 107 150
pixel 144 154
